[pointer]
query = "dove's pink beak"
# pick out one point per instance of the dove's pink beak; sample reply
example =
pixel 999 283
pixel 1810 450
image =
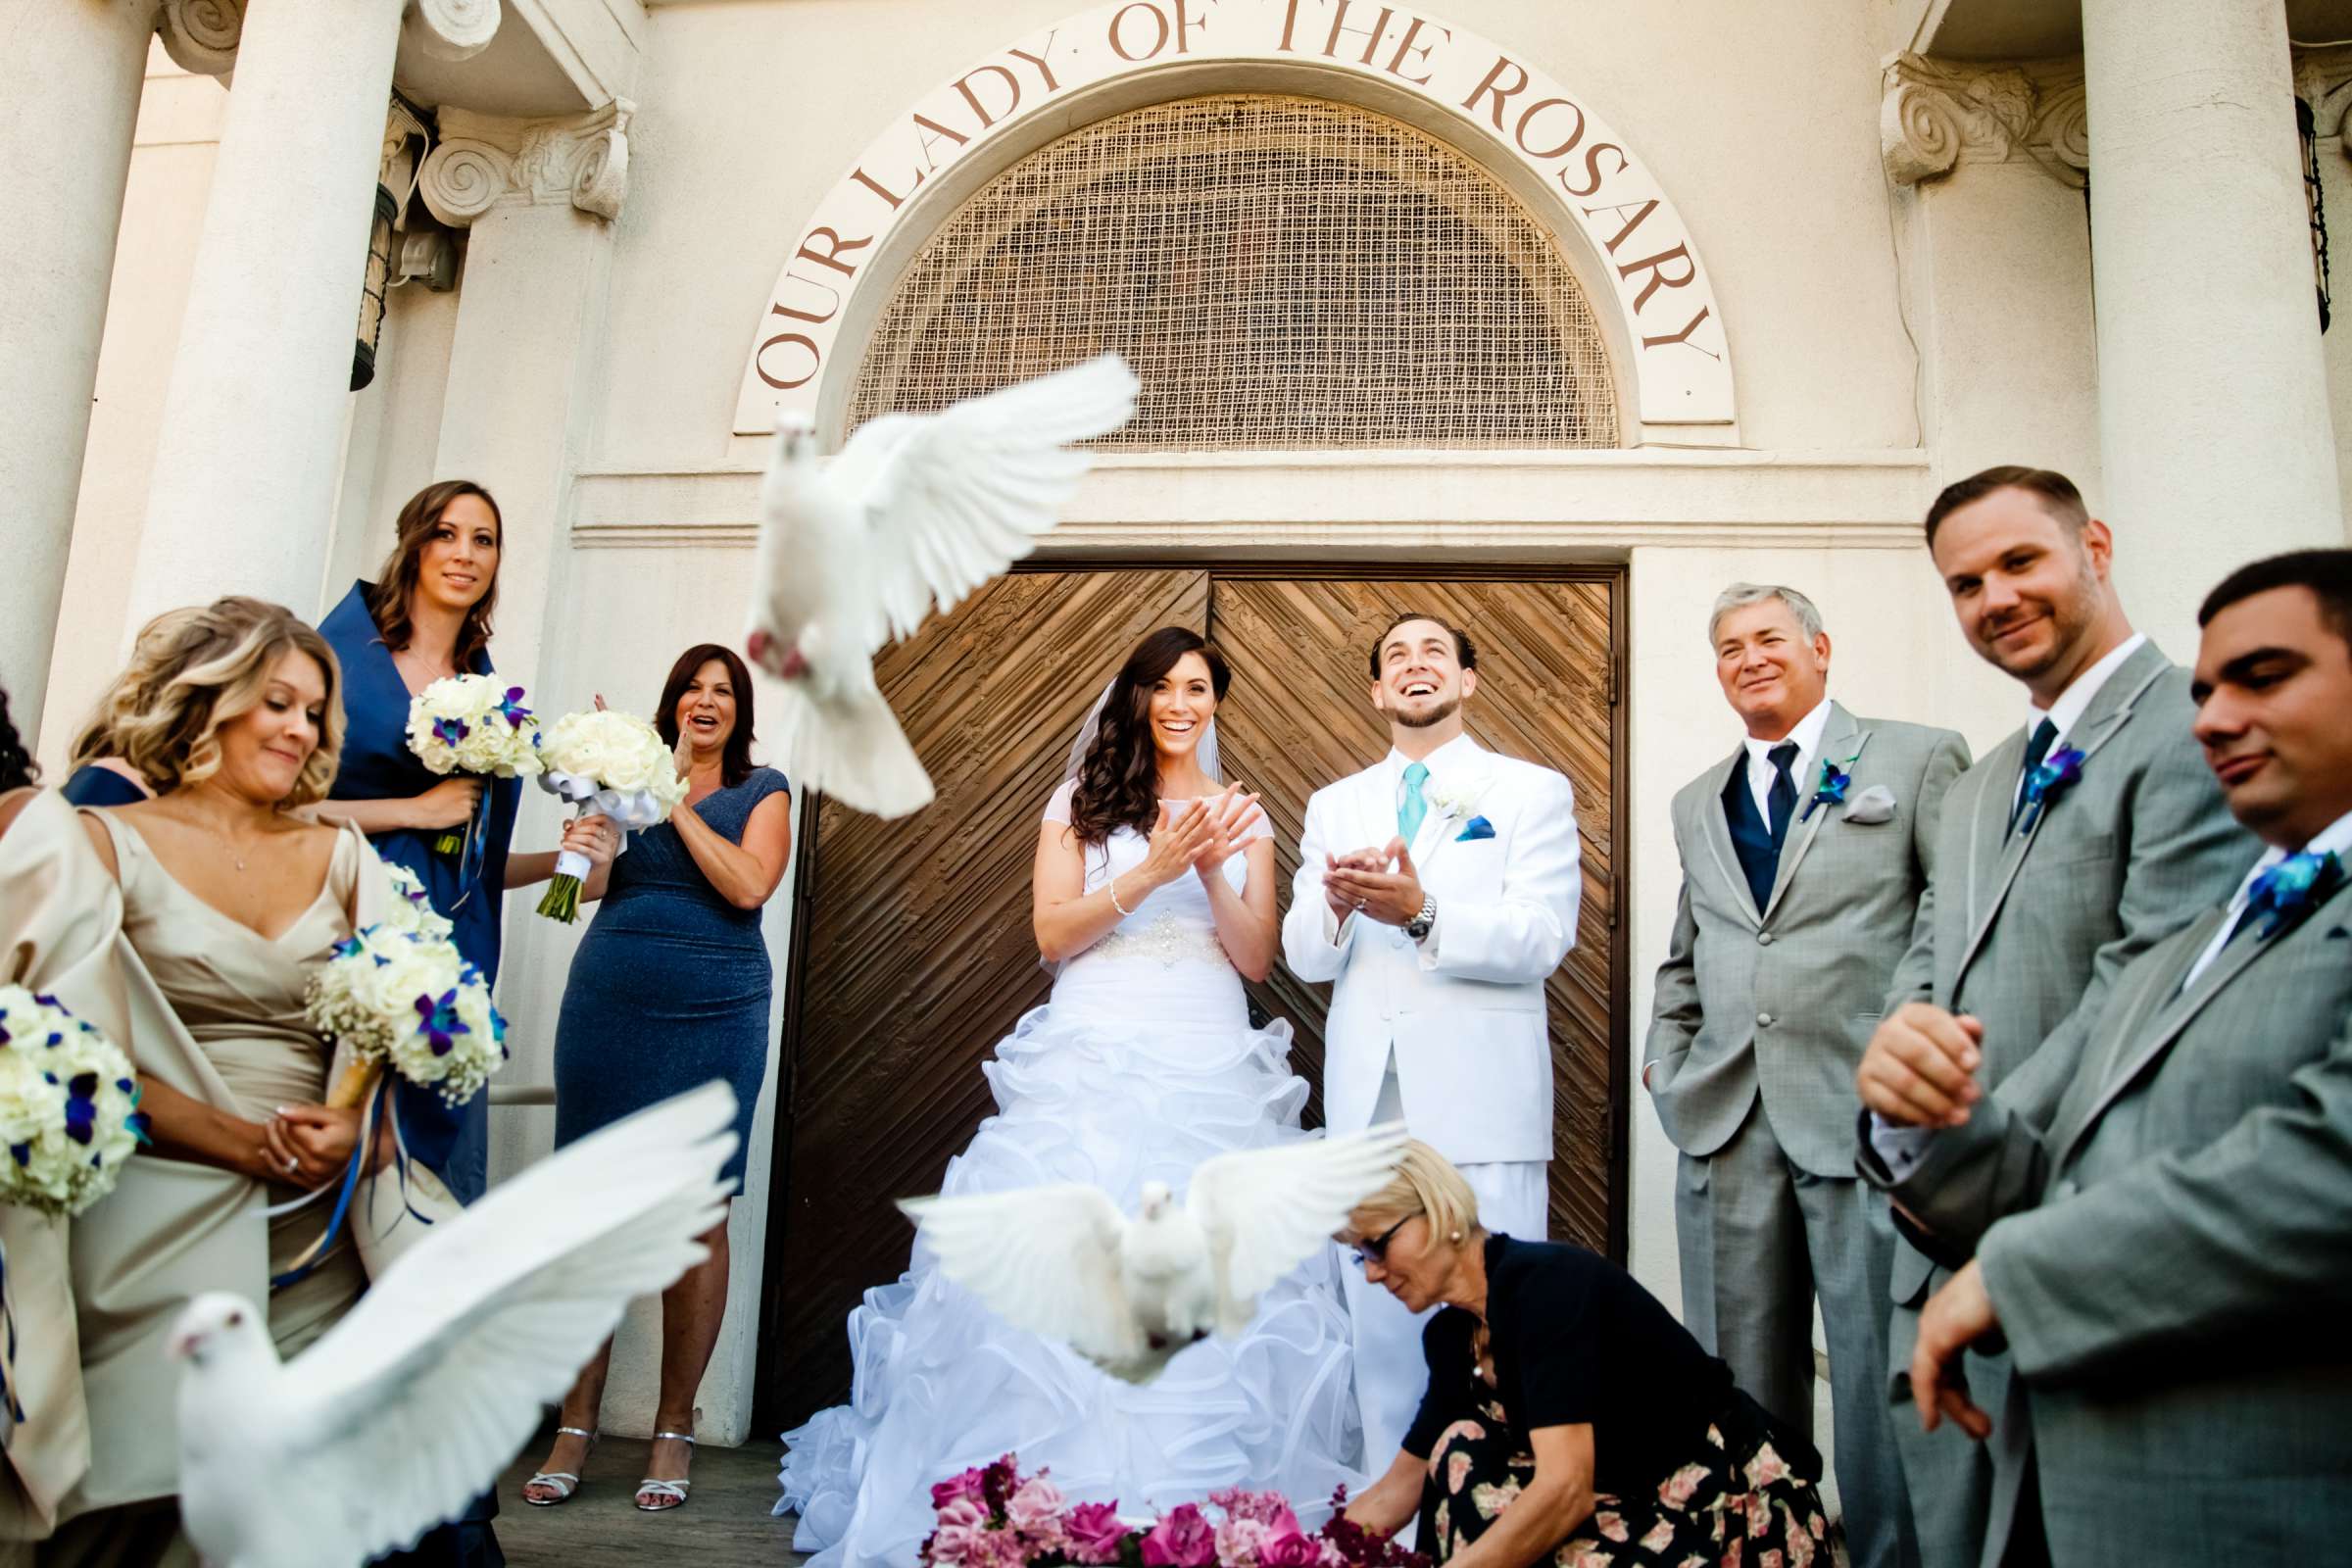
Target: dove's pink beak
pixel 183 1346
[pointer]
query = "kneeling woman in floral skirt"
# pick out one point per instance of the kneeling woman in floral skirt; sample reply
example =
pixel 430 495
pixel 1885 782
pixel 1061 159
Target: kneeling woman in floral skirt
pixel 1569 1417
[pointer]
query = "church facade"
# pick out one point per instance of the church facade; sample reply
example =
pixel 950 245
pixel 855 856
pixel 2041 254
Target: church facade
pixel 1555 319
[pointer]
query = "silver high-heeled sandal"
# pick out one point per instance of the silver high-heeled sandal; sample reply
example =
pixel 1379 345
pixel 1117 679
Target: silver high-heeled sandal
pixel 564 1482
pixel 675 1491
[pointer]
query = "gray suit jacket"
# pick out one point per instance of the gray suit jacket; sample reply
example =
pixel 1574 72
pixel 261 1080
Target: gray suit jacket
pixel 1816 960
pixel 2161 1201
pixel 2027 929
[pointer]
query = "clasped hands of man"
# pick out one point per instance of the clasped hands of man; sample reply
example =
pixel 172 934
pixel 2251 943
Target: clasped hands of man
pixel 1361 882
pixel 1920 1071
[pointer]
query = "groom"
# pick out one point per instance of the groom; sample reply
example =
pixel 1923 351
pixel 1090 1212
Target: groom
pixel 1438 889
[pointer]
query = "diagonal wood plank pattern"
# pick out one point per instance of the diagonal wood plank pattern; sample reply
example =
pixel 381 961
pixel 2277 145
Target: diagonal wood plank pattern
pixel 1299 716
pixel 917 957
pixel 919 954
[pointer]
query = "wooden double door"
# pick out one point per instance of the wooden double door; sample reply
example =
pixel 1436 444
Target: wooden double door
pixel 912 953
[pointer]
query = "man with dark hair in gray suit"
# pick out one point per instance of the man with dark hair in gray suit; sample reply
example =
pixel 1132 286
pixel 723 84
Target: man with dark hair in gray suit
pixel 1805 856
pixel 2157 1201
pixel 2089 835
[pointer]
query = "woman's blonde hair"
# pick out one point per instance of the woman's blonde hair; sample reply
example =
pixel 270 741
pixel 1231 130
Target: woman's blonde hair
pixel 192 671
pixel 1425 1183
pixel 96 737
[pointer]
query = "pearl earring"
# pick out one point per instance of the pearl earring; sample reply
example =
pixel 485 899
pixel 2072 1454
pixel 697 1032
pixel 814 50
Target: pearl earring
pixel 1456 1236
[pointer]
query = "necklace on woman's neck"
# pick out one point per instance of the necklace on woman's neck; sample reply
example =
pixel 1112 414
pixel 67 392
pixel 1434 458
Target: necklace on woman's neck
pixel 416 662
pixel 222 809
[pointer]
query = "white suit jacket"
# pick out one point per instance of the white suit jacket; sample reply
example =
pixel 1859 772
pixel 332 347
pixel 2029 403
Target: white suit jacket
pixel 1463 1011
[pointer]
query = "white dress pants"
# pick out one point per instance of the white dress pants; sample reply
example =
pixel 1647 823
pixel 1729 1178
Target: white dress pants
pixel 1391 1375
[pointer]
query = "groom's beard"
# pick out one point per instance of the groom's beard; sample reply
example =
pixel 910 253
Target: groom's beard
pixel 1436 715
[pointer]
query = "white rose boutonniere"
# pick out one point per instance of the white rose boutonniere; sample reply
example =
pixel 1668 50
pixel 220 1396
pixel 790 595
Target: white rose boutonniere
pixel 1457 798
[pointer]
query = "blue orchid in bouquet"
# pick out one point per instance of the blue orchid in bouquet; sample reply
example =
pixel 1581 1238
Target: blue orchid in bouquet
pixel 69 1107
pixel 69 1119
pixel 2050 780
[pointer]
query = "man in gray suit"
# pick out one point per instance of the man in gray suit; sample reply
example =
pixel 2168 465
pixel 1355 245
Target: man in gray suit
pixel 2157 1200
pixel 1805 856
pixel 2090 834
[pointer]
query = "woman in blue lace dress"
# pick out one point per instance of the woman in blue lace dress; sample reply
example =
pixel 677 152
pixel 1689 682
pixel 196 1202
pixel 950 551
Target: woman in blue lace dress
pixel 671 988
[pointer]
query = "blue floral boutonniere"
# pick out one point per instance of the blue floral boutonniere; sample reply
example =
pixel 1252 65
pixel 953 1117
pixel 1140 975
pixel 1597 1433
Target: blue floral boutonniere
pixel 2046 783
pixel 1831 791
pixel 1478 827
pixel 2292 885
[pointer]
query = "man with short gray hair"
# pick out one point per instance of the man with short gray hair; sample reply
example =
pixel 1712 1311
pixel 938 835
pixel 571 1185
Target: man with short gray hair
pixel 1770 988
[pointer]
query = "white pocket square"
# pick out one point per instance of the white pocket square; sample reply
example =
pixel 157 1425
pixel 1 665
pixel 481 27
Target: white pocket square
pixel 1873 805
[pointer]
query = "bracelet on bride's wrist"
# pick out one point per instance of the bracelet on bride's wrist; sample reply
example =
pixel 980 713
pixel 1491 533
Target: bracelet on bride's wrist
pixel 1113 885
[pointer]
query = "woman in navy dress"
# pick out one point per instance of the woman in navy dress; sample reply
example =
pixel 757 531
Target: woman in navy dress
pixel 426 617
pixel 671 988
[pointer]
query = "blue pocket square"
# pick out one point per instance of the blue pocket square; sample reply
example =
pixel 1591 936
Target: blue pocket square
pixel 1479 829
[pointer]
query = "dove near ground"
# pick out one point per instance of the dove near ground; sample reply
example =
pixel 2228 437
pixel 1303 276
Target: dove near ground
pixel 1130 1293
pixel 417 1398
pixel 917 511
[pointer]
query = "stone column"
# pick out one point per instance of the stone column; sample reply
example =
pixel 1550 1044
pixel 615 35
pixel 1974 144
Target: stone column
pixel 2213 398
pixel 243 492
pixel 69 106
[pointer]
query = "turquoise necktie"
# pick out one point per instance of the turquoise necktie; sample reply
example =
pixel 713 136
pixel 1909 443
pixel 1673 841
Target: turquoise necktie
pixel 1415 807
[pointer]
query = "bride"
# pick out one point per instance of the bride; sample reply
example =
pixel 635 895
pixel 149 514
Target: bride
pixel 1154 896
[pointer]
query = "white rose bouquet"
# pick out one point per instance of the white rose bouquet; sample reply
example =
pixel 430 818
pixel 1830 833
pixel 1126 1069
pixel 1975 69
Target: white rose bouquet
pixel 405 998
pixel 604 761
pixel 415 912
pixel 472 724
pixel 69 1107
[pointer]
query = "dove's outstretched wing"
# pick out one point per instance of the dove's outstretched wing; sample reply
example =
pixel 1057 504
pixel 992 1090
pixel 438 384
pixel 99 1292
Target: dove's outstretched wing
pixel 424 1392
pixel 1043 1258
pixel 955 498
pixel 1265 1210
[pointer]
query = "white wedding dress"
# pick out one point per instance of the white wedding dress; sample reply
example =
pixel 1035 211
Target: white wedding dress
pixel 1140 1065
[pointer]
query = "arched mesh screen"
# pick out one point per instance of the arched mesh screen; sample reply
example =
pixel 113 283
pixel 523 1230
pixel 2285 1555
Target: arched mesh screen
pixel 1282 272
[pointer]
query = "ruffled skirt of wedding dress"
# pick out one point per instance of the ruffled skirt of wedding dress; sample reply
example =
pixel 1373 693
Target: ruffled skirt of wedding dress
pixel 1115 1083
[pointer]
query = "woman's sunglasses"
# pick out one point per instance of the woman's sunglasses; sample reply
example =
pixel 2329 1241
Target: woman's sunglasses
pixel 1375 1248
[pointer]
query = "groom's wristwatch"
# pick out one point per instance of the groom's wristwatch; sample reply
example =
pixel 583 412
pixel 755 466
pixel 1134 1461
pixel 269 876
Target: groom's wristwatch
pixel 1418 926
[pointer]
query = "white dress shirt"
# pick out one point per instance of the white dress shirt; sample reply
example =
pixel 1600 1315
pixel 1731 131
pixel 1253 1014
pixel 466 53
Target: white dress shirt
pixel 1903 1147
pixel 1761 771
pixel 2335 837
pixel 1451 754
pixel 2067 712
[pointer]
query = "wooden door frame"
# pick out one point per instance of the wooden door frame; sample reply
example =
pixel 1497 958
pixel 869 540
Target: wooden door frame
pixel 1615 574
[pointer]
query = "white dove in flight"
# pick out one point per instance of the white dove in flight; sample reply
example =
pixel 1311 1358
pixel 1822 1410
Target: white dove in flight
pixel 1063 1263
pixel 918 509
pixel 414 1402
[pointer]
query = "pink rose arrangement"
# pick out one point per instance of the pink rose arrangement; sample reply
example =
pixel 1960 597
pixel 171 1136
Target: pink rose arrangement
pixel 995 1517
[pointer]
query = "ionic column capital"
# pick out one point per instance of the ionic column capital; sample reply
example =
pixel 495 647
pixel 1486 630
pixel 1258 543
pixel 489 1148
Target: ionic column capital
pixel 1935 114
pixel 482 160
pixel 202 35
pixel 450 29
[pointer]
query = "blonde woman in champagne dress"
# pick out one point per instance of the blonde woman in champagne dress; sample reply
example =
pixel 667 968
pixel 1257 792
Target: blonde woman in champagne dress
pixel 187 928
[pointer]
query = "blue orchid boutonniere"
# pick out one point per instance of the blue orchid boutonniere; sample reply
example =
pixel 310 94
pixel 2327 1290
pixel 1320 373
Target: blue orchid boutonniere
pixel 1831 791
pixel 2293 884
pixel 2046 783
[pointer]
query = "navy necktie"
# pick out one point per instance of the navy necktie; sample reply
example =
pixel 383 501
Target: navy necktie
pixel 1783 798
pixel 2037 747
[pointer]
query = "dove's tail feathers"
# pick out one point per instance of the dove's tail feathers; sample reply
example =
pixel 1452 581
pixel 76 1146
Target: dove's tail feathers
pixel 854 749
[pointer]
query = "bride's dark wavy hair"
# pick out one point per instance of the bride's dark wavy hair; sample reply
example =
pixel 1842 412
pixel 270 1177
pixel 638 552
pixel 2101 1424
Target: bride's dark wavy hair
pixel 1118 779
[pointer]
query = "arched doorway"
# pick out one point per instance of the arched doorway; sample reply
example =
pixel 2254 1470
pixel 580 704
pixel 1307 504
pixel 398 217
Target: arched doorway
pixel 1285 272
